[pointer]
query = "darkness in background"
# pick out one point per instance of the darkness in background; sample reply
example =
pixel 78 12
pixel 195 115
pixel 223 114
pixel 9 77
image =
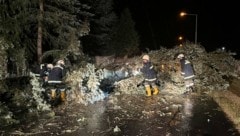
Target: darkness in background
pixel 159 24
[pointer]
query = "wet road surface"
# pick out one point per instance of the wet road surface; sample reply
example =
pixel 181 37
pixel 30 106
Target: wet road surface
pixel 135 115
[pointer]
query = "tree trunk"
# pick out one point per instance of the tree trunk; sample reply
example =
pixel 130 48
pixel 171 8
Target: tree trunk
pixel 40 33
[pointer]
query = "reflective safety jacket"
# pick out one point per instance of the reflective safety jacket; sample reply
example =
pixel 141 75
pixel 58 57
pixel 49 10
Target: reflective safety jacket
pixel 44 70
pixel 149 72
pixel 56 75
pixel 186 69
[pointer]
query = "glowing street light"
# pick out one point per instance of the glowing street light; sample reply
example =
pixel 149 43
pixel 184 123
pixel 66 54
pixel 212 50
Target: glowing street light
pixel 180 38
pixel 196 16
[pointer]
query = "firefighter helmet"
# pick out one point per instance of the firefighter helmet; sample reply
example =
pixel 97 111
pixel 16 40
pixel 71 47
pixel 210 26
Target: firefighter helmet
pixel 145 57
pixel 180 56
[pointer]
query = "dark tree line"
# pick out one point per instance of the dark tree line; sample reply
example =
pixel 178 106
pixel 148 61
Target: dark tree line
pixel 55 29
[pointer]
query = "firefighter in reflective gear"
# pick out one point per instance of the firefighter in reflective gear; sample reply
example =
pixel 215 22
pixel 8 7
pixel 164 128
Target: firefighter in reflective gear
pixel 55 80
pixel 187 72
pixel 45 69
pixel 150 76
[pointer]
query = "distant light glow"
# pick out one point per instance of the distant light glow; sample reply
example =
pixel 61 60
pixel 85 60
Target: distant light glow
pixel 180 38
pixel 223 48
pixel 182 14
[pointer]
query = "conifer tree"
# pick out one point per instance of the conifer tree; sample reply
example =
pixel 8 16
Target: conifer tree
pixel 96 43
pixel 125 40
pixel 64 23
pixel 40 26
pixel 17 23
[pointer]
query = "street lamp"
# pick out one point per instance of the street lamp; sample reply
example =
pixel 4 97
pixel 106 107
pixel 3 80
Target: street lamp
pixel 180 38
pixel 196 16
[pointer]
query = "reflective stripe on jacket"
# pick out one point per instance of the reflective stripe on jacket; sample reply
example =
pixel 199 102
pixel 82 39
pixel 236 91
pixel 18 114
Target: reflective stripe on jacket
pixel 186 69
pixel 149 72
pixel 56 74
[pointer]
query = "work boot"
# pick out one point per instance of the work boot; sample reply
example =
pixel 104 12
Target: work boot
pixel 63 96
pixel 53 94
pixel 148 90
pixel 156 91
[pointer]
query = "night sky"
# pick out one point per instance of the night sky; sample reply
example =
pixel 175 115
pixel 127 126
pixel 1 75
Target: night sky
pixel 159 23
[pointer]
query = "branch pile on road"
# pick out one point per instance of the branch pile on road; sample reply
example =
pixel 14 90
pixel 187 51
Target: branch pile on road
pixel 212 69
